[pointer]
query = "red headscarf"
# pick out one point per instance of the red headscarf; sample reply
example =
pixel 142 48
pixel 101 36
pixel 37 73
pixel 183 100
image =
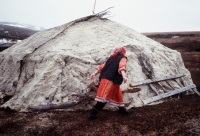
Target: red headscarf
pixel 121 50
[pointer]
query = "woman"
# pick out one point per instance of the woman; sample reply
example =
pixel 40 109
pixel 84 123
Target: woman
pixel 112 74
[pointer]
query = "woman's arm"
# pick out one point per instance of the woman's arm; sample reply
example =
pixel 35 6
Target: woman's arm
pixel 124 76
pixel 122 68
pixel 98 70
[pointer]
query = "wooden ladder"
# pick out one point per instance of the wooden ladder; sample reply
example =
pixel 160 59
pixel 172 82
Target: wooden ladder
pixel 153 82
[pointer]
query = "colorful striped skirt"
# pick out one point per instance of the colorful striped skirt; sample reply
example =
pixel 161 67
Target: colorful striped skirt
pixel 109 92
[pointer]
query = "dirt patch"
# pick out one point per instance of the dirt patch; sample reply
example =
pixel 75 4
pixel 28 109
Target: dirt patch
pixel 179 116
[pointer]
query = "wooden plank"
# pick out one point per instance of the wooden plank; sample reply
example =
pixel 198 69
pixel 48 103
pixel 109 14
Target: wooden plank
pixel 165 95
pixel 170 85
pixel 183 86
pixel 195 90
pixel 192 89
pixel 148 81
pixel 163 88
pixel 178 83
pixel 154 88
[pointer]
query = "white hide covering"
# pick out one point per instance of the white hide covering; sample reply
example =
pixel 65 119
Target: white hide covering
pixel 51 65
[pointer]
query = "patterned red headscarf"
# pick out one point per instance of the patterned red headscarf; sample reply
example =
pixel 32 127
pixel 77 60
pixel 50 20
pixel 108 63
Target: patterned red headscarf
pixel 118 50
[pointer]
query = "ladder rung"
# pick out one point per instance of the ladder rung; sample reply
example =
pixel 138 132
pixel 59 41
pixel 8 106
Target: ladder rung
pixel 164 95
pixel 148 81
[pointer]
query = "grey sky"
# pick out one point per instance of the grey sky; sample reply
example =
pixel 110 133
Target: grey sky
pixel 140 15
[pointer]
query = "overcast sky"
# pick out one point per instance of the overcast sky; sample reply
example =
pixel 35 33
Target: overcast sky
pixel 140 15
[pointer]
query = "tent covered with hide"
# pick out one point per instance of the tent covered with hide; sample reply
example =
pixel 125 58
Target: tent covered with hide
pixel 49 67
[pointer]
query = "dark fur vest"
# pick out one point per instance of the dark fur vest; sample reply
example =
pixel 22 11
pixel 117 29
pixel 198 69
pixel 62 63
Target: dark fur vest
pixel 110 70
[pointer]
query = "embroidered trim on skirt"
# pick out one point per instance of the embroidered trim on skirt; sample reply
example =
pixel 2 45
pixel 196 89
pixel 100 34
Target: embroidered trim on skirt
pixel 109 92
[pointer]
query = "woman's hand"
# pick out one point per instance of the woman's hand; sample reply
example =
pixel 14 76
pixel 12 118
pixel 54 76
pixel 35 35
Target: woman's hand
pixel 125 79
pixel 124 76
pixel 94 75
